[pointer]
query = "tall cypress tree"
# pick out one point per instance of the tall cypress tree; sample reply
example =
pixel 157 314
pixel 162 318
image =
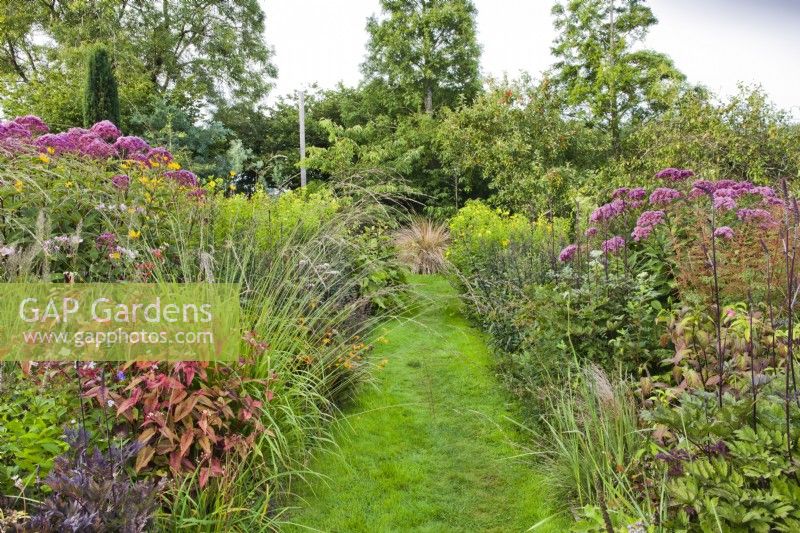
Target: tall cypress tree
pixel 101 101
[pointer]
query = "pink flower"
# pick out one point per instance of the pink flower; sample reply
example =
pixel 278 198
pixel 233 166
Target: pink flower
pixel 646 224
pixel 723 232
pixel 121 181
pixel 613 245
pixel 674 174
pixel 761 216
pixel 724 203
pixel 32 123
pixel 608 211
pixel 182 177
pixel 664 196
pixel 568 253
pixel 591 231
pixel 106 130
pixel 637 194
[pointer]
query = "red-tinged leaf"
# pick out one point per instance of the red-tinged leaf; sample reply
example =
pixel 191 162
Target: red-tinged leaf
pixel 713 380
pixel 143 458
pixel 177 396
pixel 185 407
pixel 186 442
pixel 205 444
pixel 146 435
pixel 169 434
pixel 164 447
pixel 130 402
pixel 175 462
pixel 204 474
pixel 216 467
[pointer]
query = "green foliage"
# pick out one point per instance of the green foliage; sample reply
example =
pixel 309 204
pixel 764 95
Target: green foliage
pixel 600 69
pixel 728 472
pixel 425 53
pixel 100 98
pixel 31 426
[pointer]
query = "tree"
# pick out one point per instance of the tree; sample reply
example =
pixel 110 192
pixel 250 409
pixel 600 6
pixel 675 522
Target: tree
pixel 100 100
pixel 604 76
pixel 425 51
pixel 196 53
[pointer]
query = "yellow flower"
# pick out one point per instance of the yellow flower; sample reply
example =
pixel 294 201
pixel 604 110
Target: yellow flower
pixel 232 187
pixel 133 234
pixel 232 173
pixel 174 165
pixel 125 166
pixel 505 243
pixel 19 186
pixel 114 255
pixel 44 158
pixel 68 184
pixel 51 150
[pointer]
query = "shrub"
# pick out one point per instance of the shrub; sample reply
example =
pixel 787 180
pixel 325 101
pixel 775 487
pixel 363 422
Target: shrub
pixel 421 246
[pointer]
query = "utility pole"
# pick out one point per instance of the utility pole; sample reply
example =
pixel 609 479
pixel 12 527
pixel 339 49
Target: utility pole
pixel 302 112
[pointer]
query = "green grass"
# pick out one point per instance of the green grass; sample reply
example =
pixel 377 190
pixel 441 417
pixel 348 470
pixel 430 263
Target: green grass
pixel 430 447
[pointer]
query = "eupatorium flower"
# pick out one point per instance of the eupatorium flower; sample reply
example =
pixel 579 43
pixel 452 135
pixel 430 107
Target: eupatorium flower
pixel 131 145
pixel 159 155
pixel 591 231
pixel 613 245
pixel 724 232
pixel 106 130
pixel 568 253
pixel 622 191
pixel 121 181
pixel 608 211
pixel 664 196
pixel 637 193
pixel 32 123
pixel 760 216
pixel 674 174
pixel 182 177
pixel 724 203
pixel 646 224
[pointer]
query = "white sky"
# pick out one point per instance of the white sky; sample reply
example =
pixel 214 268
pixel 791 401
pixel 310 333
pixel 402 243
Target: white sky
pixel 714 42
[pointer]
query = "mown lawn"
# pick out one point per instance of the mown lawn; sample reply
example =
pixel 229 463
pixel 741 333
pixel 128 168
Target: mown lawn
pixel 429 448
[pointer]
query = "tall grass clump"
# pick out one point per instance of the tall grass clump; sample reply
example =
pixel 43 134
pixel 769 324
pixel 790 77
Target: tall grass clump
pixel 592 446
pixel 422 244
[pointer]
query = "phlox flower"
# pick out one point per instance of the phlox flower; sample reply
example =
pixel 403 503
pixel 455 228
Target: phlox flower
pixel 646 224
pixel 723 232
pixel 106 130
pixel 591 231
pixel 664 196
pixel 613 245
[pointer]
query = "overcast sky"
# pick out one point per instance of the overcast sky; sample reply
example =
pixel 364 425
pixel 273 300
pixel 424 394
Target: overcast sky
pixel 714 42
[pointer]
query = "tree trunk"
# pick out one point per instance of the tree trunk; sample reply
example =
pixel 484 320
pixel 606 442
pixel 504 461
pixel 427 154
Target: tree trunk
pixel 428 100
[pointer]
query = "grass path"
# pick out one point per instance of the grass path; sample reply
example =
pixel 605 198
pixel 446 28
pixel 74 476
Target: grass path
pixel 427 449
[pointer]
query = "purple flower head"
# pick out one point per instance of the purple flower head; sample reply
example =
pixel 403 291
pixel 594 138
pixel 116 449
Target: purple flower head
pixel 622 191
pixel 591 231
pixel 120 375
pixel 182 177
pixel 664 196
pixel 704 186
pixel 723 232
pixel 726 191
pixel 159 155
pixel 646 224
pixel 608 211
pixel 766 192
pixel 742 187
pixel 724 203
pixel 32 123
pixel 568 253
pixel 637 193
pixel 613 245
pixel 98 149
pixel 770 201
pixel 12 129
pixel 131 145
pixel 106 130
pixel 107 240
pixel 121 182
pixel 760 216
pixel 674 174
